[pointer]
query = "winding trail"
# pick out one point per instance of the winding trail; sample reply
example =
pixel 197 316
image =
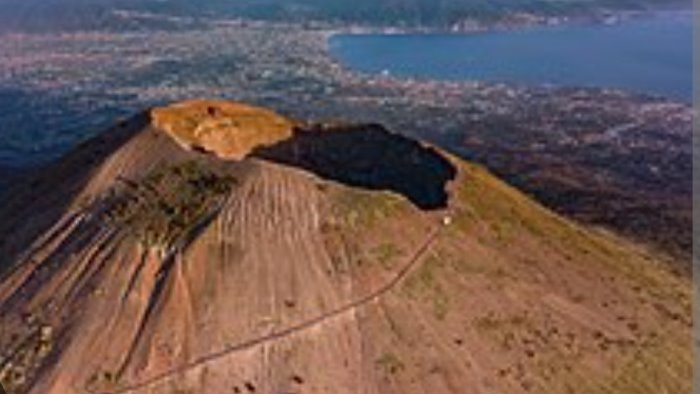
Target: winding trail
pixel 410 265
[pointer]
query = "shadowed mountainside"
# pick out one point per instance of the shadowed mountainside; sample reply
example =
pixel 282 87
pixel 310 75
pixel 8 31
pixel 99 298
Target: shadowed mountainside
pixel 370 157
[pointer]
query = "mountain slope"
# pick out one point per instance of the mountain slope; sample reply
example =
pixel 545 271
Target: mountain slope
pixel 337 258
pixel 123 15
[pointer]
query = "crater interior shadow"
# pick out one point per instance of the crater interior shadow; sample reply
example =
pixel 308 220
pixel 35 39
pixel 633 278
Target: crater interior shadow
pixel 368 156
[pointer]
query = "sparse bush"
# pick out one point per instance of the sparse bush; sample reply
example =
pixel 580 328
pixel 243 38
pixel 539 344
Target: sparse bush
pixel 26 358
pixel 385 253
pixel 169 203
pixel 391 363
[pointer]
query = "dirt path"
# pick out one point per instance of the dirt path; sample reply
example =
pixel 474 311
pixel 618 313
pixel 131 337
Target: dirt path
pixel 289 331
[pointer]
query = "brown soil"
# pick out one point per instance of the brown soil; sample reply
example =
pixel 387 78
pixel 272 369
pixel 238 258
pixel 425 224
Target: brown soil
pixel 229 130
pixel 137 266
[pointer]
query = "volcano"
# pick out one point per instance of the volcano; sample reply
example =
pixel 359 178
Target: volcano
pixel 217 247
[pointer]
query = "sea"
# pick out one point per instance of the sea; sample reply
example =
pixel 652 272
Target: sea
pixel 650 54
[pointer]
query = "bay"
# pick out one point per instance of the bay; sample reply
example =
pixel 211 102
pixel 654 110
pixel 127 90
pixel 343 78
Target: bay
pixel 650 54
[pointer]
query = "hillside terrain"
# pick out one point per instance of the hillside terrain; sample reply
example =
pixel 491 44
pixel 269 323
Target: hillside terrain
pixel 168 255
pixel 75 15
pixel 606 157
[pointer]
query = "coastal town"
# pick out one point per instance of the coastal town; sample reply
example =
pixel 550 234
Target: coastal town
pixel 574 148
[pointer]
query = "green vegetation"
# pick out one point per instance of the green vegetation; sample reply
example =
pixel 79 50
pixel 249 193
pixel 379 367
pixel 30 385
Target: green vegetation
pixel 423 285
pixel 385 253
pixel 506 213
pixel 467 265
pixel 390 363
pixel 103 379
pixel 440 305
pixel 22 362
pixel 661 366
pixel 395 12
pixel 491 322
pixel 361 209
pixel 169 203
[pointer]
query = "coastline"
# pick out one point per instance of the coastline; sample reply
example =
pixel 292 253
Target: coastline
pixel 390 78
pixel 286 67
pixel 519 22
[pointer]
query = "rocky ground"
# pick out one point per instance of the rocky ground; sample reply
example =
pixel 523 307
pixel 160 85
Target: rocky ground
pixel 616 159
pixel 136 264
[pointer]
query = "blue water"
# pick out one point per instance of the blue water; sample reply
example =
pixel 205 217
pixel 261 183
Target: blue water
pixel 648 54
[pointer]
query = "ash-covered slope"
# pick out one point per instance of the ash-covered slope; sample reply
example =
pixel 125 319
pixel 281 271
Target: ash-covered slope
pixel 329 259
